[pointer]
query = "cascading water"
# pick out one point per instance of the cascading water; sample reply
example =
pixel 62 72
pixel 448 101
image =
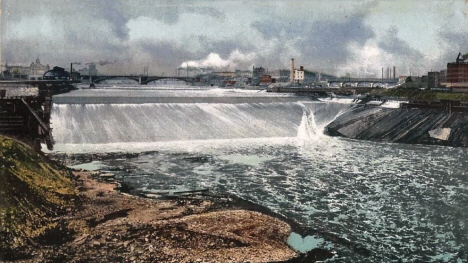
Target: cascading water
pixel 392 201
pixel 308 128
pixel 98 124
pixel 311 139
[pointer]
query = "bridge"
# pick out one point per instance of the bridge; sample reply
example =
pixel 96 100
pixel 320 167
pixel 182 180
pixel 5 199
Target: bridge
pixel 362 82
pixel 143 80
pixel 25 108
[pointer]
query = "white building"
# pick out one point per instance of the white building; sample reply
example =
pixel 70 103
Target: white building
pixel 299 75
pixel 243 73
pixel 37 70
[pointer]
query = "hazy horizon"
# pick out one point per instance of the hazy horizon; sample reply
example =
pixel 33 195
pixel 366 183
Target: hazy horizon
pixel 335 37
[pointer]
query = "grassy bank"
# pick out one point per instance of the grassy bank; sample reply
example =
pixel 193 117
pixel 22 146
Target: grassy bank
pixel 418 94
pixel 32 192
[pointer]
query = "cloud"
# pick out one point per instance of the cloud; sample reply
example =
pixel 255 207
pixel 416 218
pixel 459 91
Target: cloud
pixel 327 41
pixel 323 42
pixel 454 43
pixel 113 12
pixel 213 60
pixel 330 36
pixel 394 45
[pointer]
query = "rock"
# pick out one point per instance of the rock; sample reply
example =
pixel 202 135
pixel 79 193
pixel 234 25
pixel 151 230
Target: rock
pixel 440 133
pixel 80 240
pixel 107 175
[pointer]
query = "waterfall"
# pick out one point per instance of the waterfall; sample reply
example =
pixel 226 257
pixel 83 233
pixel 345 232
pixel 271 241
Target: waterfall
pixel 308 128
pixel 100 124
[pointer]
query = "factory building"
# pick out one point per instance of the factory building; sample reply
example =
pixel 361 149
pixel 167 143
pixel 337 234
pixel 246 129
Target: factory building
pixel 457 73
pixel 299 75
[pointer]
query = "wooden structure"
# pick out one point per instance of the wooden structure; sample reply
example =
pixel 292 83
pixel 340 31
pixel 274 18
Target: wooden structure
pixel 25 109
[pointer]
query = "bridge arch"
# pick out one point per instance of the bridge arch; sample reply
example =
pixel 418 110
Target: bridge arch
pixel 98 79
pixel 349 84
pixel 365 84
pixel 380 85
pixel 335 84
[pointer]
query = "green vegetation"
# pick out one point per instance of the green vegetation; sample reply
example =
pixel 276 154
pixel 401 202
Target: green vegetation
pixel 33 191
pixel 418 94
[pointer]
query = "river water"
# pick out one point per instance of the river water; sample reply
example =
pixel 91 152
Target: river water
pixel 400 202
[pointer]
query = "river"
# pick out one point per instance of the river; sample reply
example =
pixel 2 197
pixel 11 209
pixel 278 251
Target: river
pixel 401 202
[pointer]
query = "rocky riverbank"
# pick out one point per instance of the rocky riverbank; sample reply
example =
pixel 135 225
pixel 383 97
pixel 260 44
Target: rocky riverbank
pixel 49 214
pixel 414 126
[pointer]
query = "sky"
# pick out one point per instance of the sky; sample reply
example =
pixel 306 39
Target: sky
pixel 334 37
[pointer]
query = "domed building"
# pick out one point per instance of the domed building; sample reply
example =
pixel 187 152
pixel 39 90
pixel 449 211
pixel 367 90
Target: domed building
pixel 37 70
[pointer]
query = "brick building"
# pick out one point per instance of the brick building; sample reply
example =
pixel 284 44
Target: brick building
pixel 267 79
pixel 457 73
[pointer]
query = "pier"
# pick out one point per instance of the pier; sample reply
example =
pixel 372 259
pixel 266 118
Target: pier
pixel 25 108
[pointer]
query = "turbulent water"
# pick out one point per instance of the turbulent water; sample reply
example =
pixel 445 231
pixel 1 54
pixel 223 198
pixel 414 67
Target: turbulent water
pixel 400 202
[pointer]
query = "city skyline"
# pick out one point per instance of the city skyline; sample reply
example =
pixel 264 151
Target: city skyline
pixel 341 37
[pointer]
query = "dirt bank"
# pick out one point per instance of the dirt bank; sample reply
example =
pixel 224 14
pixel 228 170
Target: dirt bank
pixel 50 214
pixel 119 227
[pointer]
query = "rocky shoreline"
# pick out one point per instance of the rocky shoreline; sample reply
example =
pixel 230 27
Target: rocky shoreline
pixel 111 226
pixel 98 223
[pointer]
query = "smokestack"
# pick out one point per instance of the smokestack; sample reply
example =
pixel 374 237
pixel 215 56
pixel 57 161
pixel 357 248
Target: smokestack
pixel 291 73
pixel 394 72
pixel 382 73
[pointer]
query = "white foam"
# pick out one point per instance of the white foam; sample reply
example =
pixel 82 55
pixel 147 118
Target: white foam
pixel 338 100
pixel 391 104
pixel 205 146
pixel 251 160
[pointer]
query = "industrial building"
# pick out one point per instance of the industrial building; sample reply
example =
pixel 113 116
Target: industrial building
pixel 258 72
pixel 457 72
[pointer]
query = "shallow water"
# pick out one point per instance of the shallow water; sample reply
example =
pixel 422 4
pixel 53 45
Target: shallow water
pixel 399 201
